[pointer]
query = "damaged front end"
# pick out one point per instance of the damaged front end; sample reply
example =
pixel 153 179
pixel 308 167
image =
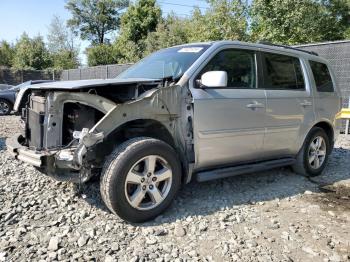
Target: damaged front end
pixel 68 133
pixel 56 131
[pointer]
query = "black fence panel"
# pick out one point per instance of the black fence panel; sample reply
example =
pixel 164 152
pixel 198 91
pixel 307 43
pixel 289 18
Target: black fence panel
pixel 15 77
pixel 96 72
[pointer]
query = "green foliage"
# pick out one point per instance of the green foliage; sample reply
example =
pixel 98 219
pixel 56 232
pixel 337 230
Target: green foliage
pixel 224 20
pixel 169 32
pixel 62 45
pixel 94 19
pixel 129 51
pixel 103 54
pixel 6 54
pixel 31 53
pixel 292 22
pixel 138 21
pixel 65 59
pixel 143 30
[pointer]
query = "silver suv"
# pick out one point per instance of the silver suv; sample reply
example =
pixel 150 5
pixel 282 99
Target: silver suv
pixel 205 110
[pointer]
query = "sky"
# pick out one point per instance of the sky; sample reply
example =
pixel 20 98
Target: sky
pixel 34 16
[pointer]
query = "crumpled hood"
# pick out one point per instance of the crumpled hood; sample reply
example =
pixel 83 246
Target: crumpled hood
pixel 78 84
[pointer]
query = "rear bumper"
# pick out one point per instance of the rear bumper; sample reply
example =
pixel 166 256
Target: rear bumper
pixel 23 153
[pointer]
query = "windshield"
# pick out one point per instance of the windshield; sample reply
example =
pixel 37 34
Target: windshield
pixel 170 62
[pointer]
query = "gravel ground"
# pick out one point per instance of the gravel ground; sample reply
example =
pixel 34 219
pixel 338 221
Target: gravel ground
pixel 269 216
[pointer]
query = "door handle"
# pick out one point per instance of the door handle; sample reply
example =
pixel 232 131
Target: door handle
pixel 306 103
pixel 255 105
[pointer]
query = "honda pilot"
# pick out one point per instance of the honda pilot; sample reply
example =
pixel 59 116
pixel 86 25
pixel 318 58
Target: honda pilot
pixel 205 111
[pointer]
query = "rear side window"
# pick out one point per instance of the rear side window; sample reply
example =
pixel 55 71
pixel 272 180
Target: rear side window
pixel 323 79
pixel 282 72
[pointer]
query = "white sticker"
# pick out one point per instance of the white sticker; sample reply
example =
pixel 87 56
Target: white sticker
pixel 190 50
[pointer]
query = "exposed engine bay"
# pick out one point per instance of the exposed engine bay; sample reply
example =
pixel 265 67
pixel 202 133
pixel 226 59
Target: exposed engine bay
pixel 72 131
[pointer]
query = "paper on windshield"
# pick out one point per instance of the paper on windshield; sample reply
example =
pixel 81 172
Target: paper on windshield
pixel 190 50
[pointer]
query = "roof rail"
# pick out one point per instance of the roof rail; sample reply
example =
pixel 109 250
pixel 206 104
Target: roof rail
pixel 287 47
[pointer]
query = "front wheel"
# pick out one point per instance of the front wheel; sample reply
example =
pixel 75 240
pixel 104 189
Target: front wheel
pixel 313 156
pixel 5 107
pixel 140 179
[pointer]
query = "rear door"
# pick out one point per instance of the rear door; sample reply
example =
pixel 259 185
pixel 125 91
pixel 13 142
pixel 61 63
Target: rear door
pixel 290 109
pixel 229 122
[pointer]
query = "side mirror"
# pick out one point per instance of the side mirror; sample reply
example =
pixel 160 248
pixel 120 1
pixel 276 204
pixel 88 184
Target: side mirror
pixel 214 79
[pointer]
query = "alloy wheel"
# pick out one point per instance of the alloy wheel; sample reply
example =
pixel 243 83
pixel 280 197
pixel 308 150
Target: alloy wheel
pixel 317 152
pixel 148 182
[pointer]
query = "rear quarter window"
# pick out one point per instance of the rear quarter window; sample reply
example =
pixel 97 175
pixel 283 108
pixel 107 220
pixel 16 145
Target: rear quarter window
pixel 323 79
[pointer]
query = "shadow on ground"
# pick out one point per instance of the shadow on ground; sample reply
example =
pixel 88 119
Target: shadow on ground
pixel 206 198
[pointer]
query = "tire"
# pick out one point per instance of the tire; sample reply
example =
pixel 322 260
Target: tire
pixel 133 189
pixel 5 107
pixel 306 161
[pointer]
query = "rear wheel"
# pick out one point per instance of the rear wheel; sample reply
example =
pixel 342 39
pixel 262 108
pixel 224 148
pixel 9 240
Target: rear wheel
pixel 140 179
pixel 313 156
pixel 5 107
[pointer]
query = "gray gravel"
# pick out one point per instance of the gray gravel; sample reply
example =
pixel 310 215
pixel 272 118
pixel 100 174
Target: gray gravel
pixel 269 216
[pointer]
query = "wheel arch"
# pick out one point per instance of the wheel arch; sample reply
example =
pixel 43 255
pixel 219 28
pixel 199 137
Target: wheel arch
pixel 7 100
pixel 326 126
pixel 143 128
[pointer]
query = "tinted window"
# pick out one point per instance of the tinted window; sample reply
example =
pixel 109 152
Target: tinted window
pixel 239 65
pixel 282 72
pixel 322 77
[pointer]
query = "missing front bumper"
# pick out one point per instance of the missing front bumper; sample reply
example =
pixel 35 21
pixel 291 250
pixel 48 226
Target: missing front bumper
pixel 52 163
pixel 20 152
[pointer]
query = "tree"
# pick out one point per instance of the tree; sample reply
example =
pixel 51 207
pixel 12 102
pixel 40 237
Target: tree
pixel 171 31
pixel 140 19
pixel 225 19
pixel 64 59
pixel 293 22
pixel 103 54
pixel 6 54
pixel 62 45
pixel 31 53
pixel 94 19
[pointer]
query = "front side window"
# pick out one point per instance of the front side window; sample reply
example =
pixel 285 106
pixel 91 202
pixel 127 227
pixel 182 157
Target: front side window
pixel 323 79
pixel 239 66
pixel 282 72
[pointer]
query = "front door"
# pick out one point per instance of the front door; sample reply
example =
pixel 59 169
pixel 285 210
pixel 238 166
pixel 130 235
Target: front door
pixel 229 122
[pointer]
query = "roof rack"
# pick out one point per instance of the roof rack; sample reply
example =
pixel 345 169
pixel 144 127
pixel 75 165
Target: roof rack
pixel 287 47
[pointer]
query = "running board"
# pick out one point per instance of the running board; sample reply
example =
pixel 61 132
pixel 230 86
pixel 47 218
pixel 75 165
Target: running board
pixel 243 169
